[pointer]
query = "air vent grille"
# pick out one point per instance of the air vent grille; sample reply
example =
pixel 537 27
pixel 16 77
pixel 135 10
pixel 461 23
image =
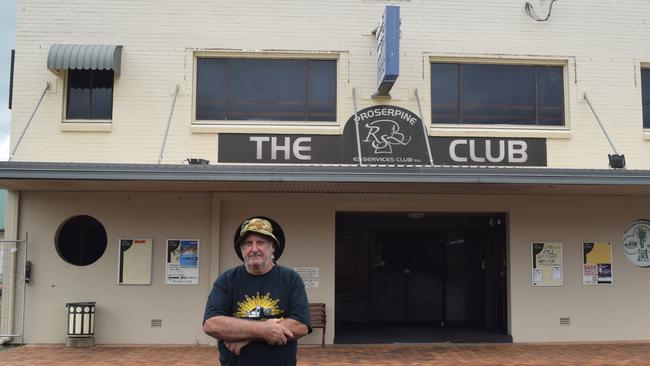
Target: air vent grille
pixel 565 321
pixel 156 323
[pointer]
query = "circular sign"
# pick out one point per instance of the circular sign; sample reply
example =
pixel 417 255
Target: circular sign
pixel 635 243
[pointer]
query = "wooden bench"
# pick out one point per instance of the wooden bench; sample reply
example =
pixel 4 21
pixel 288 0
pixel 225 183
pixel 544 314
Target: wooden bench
pixel 318 318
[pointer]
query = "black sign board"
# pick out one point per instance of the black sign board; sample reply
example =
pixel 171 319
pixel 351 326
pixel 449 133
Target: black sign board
pixel 488 151
pixel 388 135
pixel 288 149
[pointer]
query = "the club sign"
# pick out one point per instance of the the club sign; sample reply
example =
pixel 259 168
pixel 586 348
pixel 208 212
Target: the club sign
pixel 387 135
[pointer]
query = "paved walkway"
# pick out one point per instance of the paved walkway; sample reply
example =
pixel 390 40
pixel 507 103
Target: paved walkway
pixel 394 355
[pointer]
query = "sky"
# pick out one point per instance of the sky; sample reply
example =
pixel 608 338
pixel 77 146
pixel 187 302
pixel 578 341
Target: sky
pixel 7 43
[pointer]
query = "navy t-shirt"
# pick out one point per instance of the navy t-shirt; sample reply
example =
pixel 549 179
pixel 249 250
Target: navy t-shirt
pixel 279 293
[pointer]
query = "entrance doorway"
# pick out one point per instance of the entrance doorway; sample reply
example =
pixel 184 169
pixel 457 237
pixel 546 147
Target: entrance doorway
pixel 416 277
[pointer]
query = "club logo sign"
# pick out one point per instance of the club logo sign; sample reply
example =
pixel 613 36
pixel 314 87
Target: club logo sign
pixel 388 135
pixel 635 243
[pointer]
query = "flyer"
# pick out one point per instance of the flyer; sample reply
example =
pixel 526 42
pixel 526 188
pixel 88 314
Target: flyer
pixel 182 262
pixel 547 264
pixel 597 263
pixel 134 261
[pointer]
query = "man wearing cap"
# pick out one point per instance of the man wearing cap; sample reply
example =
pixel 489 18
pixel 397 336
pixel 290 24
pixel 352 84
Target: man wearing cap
pixel 258 310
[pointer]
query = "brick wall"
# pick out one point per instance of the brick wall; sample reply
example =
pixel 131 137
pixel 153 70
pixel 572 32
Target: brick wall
pixel 602 43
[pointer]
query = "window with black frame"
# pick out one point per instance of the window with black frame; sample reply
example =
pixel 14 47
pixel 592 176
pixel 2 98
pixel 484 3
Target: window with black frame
pixel 645 96
pixel 497 94
pixel 265 89
pixel 90 95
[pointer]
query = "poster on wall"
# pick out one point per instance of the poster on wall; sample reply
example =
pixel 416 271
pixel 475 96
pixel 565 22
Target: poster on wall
pixel 547 263
pixel 597 263
pixel 134 262
pixel 182 262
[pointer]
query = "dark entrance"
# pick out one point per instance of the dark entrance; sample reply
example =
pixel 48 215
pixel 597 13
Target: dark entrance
pixel 414 277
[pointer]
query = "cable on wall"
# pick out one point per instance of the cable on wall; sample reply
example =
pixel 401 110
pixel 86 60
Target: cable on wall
pixel 531 11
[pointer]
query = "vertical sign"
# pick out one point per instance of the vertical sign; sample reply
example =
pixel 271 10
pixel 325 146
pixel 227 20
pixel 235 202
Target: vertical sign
pixel 547 264
pixel 597 263
pixel 11 78
pixel 134 267
pixel 388 50
pixel 182 264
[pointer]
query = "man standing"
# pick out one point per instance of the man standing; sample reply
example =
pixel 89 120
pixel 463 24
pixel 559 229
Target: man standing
pixel 258 310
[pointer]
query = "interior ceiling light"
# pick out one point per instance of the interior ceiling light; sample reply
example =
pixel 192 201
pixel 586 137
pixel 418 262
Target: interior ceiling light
pixel 531 12
pixel 415 215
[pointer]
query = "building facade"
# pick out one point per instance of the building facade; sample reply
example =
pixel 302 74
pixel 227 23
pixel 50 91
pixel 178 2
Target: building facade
pixel 442 167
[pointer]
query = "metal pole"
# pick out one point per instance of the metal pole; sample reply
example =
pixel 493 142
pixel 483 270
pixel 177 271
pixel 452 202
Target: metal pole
pixel 356 125
pixel 24 281
pixel 169 121
pixel 424 129
pixel 601 125
pixel 22 134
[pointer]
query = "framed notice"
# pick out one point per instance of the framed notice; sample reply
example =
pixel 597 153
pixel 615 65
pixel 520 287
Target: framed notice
pixel 134 262
pixel 597 263
pixel 182 262
pixel 310 276
pixel 547 264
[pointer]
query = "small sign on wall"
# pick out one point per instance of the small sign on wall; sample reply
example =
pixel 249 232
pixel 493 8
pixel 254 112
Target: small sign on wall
pixel 134 262
pixel 547 264
pixel 310 276
pixel 182 262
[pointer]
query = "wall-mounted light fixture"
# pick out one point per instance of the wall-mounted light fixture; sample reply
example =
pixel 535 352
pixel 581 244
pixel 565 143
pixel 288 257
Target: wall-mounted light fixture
pixel 616 160
pixel 197 161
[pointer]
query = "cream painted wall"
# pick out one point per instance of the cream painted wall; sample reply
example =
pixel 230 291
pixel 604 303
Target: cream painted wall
pixel 597 312
pixel 124 312
pixel 603 45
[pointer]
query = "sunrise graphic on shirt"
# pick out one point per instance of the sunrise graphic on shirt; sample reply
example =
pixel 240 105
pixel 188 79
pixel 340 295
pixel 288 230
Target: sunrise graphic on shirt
pixel 258 307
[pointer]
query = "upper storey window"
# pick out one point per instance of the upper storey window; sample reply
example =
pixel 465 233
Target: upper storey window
pixel 90 95
pixel 645 96
pixel 90 71
pixel 266 89
pixel 497 94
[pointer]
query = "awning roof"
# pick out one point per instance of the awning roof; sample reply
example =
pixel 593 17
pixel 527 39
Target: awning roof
pixel 38 176
pixel 84 57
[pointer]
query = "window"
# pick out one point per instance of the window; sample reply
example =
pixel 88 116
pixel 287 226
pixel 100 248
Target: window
pixel 497 94
pixel 90 94
pixel 81 240
pixel 645 96
pixel 261 89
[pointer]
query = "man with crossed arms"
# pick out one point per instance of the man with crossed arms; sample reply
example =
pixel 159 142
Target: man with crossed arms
pixel 258 310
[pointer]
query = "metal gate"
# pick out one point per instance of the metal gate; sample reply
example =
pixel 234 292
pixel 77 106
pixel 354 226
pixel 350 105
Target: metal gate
pixel 14 275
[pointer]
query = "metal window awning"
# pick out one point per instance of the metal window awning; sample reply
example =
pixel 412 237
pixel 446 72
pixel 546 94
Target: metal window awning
pixel 84 57
pixel 43 176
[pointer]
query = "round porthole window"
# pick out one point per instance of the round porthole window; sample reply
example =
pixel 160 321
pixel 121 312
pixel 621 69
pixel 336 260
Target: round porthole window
pixel 81 240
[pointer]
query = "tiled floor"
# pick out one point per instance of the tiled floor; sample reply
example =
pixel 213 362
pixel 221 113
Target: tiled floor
pixel 421 354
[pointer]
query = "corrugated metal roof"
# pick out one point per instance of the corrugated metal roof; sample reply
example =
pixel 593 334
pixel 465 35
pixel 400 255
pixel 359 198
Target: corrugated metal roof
pixel 84 57
pixel 39 176
pixel 323 173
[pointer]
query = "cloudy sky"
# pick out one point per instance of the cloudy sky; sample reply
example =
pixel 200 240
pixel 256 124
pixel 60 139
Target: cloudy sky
pixel 7 43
